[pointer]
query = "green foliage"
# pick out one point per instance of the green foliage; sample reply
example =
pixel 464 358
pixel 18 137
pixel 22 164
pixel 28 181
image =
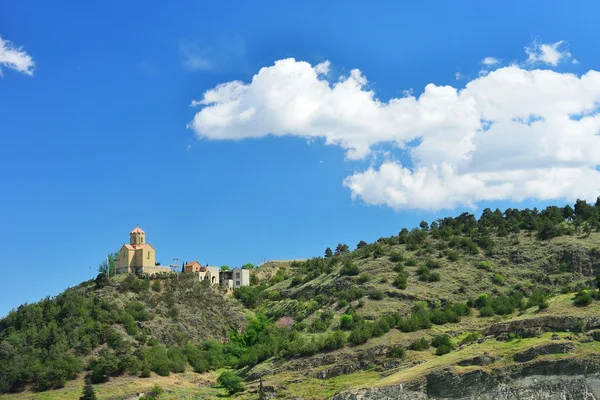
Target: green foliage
pixel 88 391
pixel 349 268
pixel 498 279
pixel 452 255
pixel 538 299
pixel 396 256
pixel 230 382
pixel 397 352
pixel 443 344
pixel 470 338
pixel 376 294
pixel 419 345
pixel 583 298
pixel 156 286
pixel 426 275
pixel 363 278
pixel 346 322
pixel 486 311
pixel 248 295
pixel 411 262
pixel 335 340
pixel 401 281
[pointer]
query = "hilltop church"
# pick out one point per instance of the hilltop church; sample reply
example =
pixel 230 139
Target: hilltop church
pixel 138 256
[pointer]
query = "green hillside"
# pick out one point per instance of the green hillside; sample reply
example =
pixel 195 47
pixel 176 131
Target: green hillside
pixel 436 296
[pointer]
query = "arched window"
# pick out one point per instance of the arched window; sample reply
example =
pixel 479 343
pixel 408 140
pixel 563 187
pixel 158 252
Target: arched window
pixel 148 254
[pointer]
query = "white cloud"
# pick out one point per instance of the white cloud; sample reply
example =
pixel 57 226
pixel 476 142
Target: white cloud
pixel 490 61
pixel 548 53
pixel 459 76
pixel 15 58
pixel 510 134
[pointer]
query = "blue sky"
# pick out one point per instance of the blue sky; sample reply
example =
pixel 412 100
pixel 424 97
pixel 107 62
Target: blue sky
pixel 97 132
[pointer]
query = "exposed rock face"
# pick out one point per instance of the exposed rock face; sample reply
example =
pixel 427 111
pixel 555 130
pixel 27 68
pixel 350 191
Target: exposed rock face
pixel 554 379
pixel 552 348
pixel 535 326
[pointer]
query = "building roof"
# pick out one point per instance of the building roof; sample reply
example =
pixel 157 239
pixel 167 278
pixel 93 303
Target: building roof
pixel 192 263
pixel 137 230
pixel 137 246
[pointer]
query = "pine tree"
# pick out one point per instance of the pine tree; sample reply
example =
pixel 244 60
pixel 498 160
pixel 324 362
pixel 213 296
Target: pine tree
pixel 183 267
pixel 88 391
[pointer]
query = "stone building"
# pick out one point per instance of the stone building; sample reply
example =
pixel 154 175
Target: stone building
pixel 138 256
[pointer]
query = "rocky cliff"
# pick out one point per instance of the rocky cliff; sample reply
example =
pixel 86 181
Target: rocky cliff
pixel 549 379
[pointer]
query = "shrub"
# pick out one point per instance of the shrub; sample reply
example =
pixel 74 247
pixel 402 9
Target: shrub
pixel 485 265
pixel 486 311
pixel 349 268
pixel 432 264
pixel 363 278
pixel 346 322
pixel 411 262
pixel 156 285
pixel 360 334
pixel 582 298
pixel 440 340
pixel 396 256
pixel 398 267
pixel 401 281
pixel 397 352
pixel 230 382
pixel 335 340
pixel 419 345
pixel 376 294
pixel 342 303
pixel 452 255
pixel 443 349
pixel 537 299
pixel 470 338
pixel 498 279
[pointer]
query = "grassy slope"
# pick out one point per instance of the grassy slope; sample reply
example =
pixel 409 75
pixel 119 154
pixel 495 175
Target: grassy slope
pixel 528 263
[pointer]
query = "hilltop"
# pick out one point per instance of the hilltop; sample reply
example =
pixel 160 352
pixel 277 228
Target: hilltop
pixel 460 306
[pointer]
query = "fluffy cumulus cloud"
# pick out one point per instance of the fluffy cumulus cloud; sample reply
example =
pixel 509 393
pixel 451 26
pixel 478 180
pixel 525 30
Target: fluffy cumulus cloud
pixel 513 134
pixel 14 57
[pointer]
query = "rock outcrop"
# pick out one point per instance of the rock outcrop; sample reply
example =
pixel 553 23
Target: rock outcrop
pixel 550 379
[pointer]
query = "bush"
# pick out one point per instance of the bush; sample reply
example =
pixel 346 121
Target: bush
pixel 440 340
pixel 376 294
pixel 583 298
pixel 360 334
pixel 363 278
pixel 486 311
pixel 335 340
pixel 401 281
pixel 452 255
pixel 537 299
pixel 397 352
pixel 443 349
pixel 399 268
pixel 230 382
pixel 349 269
pixel 432 264
pixel 156 285
pixel 346 322
pixel 396 256
pixel 470 338
pixel 411 262
pixel 419 345
pixel 498 279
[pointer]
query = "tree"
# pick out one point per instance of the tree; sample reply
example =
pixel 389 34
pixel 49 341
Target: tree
pixel 230 382
pixel 108 264
pixel 341 249
pixel 568 212
pixel 361 244
pixel 88 391
pixel 225 268
pixel 183 267
pixel 424 225
pixel 248 266
pixel 328 253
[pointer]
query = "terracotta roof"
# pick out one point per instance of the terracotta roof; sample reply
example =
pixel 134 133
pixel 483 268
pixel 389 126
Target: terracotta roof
pixel 137 230
pixel 192 263
pixel 130 247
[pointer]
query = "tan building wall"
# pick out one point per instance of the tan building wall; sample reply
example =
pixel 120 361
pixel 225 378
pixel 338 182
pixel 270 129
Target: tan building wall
pixel 137 254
